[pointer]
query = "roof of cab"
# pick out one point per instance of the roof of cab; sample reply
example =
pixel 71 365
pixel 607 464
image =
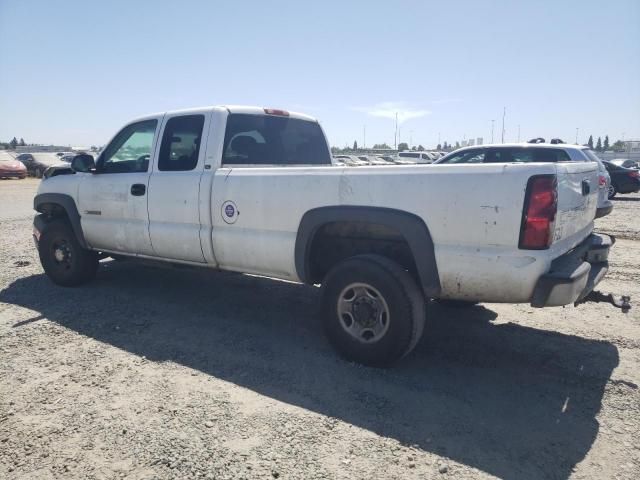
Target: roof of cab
pixel 230 108
pixel 261 111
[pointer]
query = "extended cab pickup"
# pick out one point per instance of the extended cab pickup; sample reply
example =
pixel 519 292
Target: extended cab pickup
pixel 253 190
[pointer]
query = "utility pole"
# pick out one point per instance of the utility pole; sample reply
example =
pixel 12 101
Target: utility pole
pixel 395 135
pixel 410 138
pixel 364 136
pixel 518 133
pixel 504 112
pixel 577 130
pixel 492 124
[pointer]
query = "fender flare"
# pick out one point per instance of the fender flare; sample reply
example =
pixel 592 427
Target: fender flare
pixel 410 226
pixel 69 205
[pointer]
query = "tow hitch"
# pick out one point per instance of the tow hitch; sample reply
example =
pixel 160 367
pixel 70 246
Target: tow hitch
pixel 622 302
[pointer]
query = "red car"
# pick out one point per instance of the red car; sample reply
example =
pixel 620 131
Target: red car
pixel 11 168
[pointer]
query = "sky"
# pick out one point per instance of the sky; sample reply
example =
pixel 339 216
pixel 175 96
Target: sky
pixel 74 72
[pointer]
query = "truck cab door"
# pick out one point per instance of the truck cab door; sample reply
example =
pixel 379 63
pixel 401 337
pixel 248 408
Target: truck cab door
pixel 174 188
pixel 112 201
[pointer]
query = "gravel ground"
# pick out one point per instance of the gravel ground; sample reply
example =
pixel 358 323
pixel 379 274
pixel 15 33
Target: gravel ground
pixel 168 372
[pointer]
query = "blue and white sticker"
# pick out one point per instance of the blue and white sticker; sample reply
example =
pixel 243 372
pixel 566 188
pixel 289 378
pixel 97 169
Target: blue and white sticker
pixel 229 212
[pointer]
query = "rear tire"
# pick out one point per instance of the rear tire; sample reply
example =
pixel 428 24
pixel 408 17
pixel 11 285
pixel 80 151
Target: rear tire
pixel 64 261
pixel 373 311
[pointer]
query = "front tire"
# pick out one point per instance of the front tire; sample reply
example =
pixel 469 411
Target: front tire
pixel 64 261
pixel 612 191
pixel 373 311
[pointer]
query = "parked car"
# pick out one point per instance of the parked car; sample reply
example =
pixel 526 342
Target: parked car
pixel 259 195
pixel 373 160
pixel 604 183
pixel 350 160
pixel 626 163
pixel 37 163
pixel 418 157
pixel 564 155
pixel 10 167
pixel 623 180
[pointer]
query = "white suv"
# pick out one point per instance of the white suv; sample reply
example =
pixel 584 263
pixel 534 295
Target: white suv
pixel 535 153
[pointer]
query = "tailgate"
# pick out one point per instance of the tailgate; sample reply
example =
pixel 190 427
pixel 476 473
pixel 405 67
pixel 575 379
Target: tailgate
pixel 577 198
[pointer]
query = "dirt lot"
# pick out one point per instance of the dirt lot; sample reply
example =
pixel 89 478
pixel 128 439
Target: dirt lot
pixel 174 373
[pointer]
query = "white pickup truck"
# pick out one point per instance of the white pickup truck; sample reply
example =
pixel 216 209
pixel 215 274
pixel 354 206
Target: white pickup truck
pixel 254 190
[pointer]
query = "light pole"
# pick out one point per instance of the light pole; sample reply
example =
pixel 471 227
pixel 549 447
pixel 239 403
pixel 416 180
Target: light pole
pixel 504 113
pixel 518 133
pixel 364 136
pixel 492 125
pixel 395 134
pixel 577 130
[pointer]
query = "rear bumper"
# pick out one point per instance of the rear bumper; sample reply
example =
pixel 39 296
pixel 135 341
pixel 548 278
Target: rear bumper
pixel 13 174
pixel 575 274
pixel 604 210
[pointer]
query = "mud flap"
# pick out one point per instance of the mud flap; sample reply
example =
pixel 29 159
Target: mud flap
pixel 623 302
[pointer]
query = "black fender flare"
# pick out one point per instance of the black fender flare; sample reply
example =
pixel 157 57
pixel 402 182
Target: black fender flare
pixel 69 205
pixel 412 228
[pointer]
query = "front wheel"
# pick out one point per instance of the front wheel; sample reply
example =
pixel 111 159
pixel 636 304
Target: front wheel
pixel 373 311
pixel 612 191
pixel 64 261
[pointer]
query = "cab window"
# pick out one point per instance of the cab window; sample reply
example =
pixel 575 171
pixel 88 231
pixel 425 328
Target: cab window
pixel 130 150
pixel 273 140
pixel 181 143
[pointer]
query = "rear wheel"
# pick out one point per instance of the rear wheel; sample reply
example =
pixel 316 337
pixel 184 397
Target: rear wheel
pixel 612 191
pixel 373 311
pixel 64 261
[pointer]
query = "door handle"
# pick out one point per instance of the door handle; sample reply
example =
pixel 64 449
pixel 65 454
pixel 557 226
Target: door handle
pixel 138 189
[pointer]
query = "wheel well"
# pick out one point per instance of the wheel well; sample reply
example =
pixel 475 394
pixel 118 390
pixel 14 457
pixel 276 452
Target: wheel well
pixel 336 241
pixel 53 210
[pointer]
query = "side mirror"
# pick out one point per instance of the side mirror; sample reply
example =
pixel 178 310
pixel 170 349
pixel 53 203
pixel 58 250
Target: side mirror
pixel 83 163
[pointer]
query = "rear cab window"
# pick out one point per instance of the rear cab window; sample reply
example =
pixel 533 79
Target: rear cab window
pixel 273 140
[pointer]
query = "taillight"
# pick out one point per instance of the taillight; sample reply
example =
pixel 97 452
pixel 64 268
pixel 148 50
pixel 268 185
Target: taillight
pixel 602 181
pixel 539 213
pixel 275 111
pixel 635 174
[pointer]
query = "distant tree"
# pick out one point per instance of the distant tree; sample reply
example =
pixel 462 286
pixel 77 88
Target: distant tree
pixel 355 145
pixel 590 142
pixel 403 146
pixel 13 143
pixel 605 146
pixel 420 148
pixel 414 148
pixel 439 147
pixel 599 145
pixel 445 146
pixel 457 145
pixel 618 146
pixel 22 144
pixel 381 145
